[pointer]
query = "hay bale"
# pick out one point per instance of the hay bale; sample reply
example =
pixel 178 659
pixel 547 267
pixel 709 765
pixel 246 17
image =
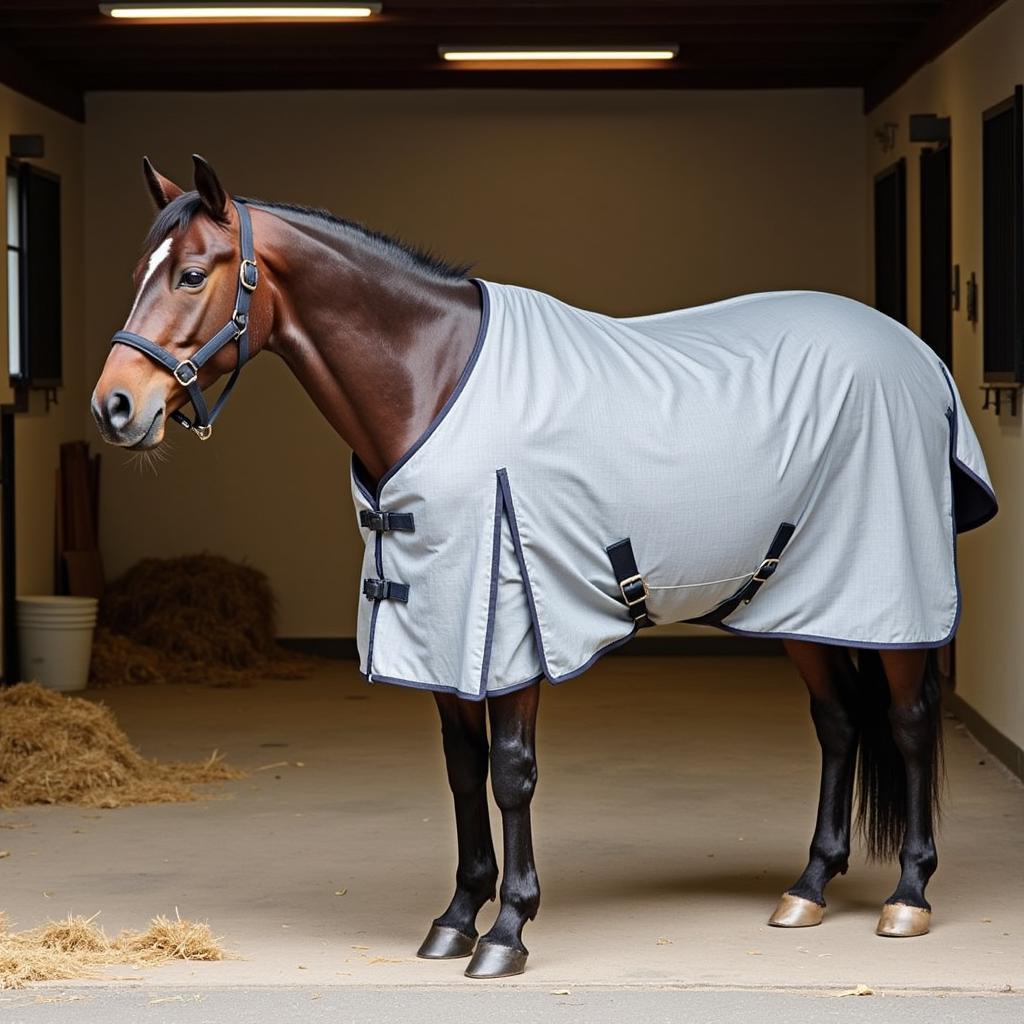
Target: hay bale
pixel 56 749
pixel 197 619
pixel 76 947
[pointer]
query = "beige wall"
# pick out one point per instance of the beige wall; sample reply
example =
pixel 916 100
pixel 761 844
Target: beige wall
pixel 976 73
pixel 627 202
pixel 37 432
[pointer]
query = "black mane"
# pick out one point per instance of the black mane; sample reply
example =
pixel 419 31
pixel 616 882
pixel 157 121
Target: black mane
pixel 178 214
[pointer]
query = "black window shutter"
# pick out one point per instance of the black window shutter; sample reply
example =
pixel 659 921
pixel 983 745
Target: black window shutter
pixel 937 252
pixel 1003 233
pixel 891 241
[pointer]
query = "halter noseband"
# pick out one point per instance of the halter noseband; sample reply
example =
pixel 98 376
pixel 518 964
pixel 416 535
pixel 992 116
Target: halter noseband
pixel 186 372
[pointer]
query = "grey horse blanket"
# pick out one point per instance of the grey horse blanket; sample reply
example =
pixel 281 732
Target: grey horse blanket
pixel 695 434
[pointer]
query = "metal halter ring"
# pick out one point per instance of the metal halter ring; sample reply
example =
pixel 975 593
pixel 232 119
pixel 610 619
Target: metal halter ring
pixel 190 368
pixel 203 433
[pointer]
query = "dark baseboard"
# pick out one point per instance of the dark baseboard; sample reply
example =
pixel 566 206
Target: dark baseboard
pixel 343 648
pixel 338 648
pixel 987 734
pixel 722 645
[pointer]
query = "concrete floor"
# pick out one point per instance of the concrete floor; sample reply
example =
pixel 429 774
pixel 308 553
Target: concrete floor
pixel 675 803
pixel 487 1005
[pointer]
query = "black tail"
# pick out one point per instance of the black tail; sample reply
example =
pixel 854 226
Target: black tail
pixel 881 777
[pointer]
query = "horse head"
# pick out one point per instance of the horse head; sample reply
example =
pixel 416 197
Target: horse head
pixel 189 325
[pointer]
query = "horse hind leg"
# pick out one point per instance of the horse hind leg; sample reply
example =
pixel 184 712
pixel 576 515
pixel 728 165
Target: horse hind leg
pixel 907 797
pixel 831 679
pixel 464 736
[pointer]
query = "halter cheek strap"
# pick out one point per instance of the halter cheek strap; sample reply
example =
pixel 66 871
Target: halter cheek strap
pixel 186 372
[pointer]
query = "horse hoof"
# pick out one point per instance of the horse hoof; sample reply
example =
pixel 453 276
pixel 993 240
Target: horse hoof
pixel 493 961
pixel 796 912
pixel 901 921
pixel 443 943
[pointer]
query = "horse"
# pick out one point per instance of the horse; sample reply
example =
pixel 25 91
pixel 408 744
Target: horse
pixel 384 338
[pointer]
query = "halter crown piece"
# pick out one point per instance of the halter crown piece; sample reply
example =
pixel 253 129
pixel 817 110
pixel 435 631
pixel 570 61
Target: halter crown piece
pixel 186 372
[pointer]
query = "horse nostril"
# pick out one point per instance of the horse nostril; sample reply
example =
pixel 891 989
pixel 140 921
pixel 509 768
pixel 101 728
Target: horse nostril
pixel 119 409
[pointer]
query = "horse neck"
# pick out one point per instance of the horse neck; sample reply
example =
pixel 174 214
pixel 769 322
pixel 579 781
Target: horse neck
pixel 377 342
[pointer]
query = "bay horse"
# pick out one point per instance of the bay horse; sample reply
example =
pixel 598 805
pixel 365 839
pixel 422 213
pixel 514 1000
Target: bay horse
pixel 384 337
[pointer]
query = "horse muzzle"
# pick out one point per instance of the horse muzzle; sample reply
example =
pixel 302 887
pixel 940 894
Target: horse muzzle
pixel 123 423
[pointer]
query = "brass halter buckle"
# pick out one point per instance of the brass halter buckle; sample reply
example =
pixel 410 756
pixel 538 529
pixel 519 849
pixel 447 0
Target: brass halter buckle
pixel 186 366
pixel 249 284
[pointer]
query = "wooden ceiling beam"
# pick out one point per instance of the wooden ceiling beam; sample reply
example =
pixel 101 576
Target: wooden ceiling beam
pixel 267 45
pixel 48 87
pixel 206 80
pixel 723 43
pixel 897 12
pixel 420 7
pixel 955 21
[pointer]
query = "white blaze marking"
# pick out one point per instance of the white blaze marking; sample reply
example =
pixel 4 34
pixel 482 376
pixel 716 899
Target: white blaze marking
pixel 160 253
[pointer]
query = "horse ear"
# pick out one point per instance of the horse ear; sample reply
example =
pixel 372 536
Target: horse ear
pixel 162 189
pixel 210 190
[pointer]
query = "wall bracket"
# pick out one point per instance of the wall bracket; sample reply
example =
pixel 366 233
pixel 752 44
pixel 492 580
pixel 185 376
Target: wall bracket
pixel 996 394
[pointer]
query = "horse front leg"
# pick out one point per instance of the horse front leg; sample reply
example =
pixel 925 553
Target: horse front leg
pixel 501 953
pixel 464 736
pixel 830 677
pixel 916 724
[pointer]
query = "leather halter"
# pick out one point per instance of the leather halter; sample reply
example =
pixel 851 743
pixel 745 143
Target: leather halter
pixel 186 372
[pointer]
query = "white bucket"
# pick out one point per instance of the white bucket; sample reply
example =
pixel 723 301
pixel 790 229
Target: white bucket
pixel 55 635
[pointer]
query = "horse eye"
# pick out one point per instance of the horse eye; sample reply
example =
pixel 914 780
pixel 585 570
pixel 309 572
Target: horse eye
pixel 192 279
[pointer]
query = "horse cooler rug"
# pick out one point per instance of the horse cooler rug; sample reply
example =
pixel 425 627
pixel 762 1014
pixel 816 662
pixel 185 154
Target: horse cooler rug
pixel 791 464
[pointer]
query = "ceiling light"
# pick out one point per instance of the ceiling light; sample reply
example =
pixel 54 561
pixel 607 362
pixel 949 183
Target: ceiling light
pixel 239 11
pixel 580 53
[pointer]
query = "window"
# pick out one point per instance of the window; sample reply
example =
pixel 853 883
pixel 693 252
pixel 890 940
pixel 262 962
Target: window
pixel 14 250
pixel 33 276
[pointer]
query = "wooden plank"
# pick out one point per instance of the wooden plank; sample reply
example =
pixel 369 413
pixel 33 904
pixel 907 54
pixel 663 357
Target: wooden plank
pixel 84 572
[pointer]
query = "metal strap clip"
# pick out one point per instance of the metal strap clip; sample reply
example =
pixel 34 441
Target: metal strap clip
pixel 765 571
pixel 385 522
pixel 385 590
pixel 631 584
pixel 186 366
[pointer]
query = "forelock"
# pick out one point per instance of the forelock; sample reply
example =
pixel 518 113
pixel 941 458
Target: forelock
pixel 177 215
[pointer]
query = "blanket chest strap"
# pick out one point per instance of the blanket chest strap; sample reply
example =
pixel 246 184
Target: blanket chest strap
pixel 632 586
pixel 386 522
pixel 386 590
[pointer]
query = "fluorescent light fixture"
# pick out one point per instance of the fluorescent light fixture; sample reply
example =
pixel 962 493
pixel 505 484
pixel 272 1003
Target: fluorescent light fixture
pixel 238 11
pixel 545 53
